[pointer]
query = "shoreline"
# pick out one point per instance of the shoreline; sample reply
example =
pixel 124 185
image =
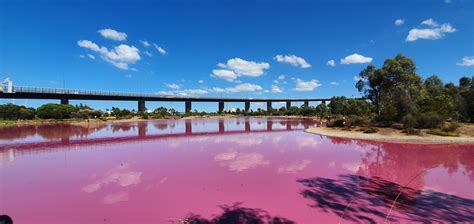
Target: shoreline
pixel 393 136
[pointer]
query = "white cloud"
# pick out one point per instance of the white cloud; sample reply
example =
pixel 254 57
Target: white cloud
pixel 145 43
pixel 356 59
pixel 113 34
pixel 335 83
pixel 160 49
pixel 434 32
pixel 430 22
pixel 302 85
pixel 399 22
pixel 201 81
pixel 173 86
pixel 331 63
pixel 281 77
pixel 91 56
pixel 241 67
pixel 149 54
pixel 467 61
pixel 245 87
pixel 276 89
pixel 184 92
pixel 121 56
pixel 224 74
pixel 293 60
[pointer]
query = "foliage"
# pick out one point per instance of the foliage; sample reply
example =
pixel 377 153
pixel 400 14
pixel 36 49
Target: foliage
pixel 15 112
pixel 411 131
pixel 440 132
pixel 369 130
pixel 55 111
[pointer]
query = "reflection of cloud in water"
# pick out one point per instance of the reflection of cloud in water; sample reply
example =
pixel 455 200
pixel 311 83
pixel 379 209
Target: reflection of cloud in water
pixel 310 142
pixel 115 198
pixel 242 141
pixel 121 175
pixel 238 161
pixel 294 167
pixel 354 167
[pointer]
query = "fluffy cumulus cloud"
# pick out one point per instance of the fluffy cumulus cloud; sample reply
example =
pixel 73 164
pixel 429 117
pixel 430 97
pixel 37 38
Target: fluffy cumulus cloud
pixel 356 59
pixel 334 83
pixel 467 61
pixel 113 34
pixel 399 22
pixel 145 43
pixel 184 92
pixel 173 86
pixel 276 89
pixel 431 30
pixel 281 77
pixel 302 85
pixel 237 67
pixel 331 63
pixel 224 74
pixel 244 87
pixel 120 56
pixel 293 60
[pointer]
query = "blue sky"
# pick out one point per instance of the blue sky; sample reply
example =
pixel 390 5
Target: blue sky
pixel 227 48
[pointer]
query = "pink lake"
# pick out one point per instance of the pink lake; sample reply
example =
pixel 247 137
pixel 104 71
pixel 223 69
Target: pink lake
pixel 235 170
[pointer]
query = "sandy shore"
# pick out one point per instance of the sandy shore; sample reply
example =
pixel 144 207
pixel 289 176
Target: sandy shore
pixel 392 135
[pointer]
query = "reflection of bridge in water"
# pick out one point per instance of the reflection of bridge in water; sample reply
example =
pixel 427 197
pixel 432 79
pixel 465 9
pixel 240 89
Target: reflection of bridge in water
pixel 69 140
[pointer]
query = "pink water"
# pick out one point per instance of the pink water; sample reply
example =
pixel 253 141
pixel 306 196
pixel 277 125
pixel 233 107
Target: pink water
pixel 227 171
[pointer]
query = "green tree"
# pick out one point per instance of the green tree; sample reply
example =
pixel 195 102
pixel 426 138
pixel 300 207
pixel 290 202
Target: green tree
pixel 394 89
pixel 55 111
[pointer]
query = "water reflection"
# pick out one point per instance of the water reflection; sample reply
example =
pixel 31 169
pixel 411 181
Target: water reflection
pixel 154 171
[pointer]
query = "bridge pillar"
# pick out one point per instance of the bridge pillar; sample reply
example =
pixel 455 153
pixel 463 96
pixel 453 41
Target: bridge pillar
pixel 323 101
pixel 141 106
pixel 64 101
pixel 306 103
pixel 247 106
pixel 188 106
pixel 288 105
pixel 269 105
pixel 221 106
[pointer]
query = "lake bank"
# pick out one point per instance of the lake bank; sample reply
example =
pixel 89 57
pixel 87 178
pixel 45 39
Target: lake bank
pixel 393 135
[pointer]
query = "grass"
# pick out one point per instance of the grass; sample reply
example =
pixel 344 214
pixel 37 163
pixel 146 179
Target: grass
pixel 411 131
pixel 7 122
pixel 368 130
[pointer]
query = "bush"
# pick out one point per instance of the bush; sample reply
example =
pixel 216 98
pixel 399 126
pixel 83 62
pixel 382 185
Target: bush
pixel 369 130
pixel 409 121
pixel 440 132
pixel 451 127
pixel 429 120
pixel 397 126
pixel 355 120
pixel 15 112
pixel 411 131
pixel 26 114
pixel 337 123
pixel 55 111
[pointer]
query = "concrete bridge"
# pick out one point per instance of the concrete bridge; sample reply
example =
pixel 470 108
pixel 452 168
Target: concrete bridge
pixel 64 95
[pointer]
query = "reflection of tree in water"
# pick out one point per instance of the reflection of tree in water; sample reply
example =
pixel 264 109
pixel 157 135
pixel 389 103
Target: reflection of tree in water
pixel 237 214
pixel 403 163
pixel 161 126
pixel 122 126
pixel 368 200
pixel 50 131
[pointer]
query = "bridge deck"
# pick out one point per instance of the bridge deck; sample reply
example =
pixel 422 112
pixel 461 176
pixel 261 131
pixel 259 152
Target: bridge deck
pixel 21 92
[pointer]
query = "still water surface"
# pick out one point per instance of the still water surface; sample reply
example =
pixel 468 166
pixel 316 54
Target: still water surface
pixel 226 171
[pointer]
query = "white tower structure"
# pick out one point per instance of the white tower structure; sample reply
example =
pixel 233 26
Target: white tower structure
pixel 7 85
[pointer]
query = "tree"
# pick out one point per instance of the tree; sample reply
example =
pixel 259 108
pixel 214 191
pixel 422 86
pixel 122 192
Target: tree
pixel 55 111
pixel 394 89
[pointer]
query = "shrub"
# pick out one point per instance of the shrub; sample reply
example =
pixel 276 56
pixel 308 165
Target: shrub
pixel 397 126
pixel 369 130
pixel 337 123
pixel 411 131
pixel 440 132
pixel 409 121
pixel 355 120
pixel 26 113
pixel 55 111
pixel 451 127
pixel 429 120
